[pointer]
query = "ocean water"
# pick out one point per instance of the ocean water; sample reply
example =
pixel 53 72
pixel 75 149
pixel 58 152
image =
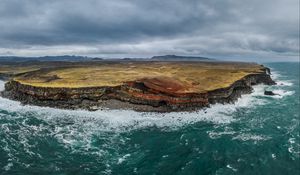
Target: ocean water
pixel 256 135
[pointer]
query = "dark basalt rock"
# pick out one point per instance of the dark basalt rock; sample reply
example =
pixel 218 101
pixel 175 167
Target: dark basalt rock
pixel 269 93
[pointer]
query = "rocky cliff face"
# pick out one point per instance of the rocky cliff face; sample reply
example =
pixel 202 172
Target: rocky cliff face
pixel 160 94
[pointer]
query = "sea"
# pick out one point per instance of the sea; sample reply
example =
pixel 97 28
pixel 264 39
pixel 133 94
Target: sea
pixel 256 135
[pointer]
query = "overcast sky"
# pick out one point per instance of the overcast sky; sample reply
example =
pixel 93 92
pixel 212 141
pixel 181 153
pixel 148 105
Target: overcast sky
pixel 258 30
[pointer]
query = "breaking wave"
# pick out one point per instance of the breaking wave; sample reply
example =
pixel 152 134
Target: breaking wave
pixel 77 127
pixel 124 120
pixel 102 134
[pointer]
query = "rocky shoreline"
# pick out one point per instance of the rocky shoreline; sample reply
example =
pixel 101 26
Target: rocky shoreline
pixel 140 95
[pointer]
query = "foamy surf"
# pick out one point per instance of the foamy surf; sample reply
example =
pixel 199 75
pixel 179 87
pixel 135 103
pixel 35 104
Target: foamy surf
pixel 281 85
pixel 118 141
pixel 2 83
pixel 284 83
pixel 124 120
pixel 276 75
pixel 280 79
pixel 280 93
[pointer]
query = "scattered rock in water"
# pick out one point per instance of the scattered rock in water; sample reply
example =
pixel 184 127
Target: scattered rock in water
pixel 270 93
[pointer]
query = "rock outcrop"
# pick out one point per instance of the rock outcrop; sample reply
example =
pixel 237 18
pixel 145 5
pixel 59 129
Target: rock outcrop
pixel 271 93
pixel 160 94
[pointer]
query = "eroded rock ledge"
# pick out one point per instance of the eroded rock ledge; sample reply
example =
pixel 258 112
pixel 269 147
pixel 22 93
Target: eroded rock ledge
pixel 159 94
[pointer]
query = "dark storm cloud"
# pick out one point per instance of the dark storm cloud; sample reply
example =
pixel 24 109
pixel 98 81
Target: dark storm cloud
pixel 135 27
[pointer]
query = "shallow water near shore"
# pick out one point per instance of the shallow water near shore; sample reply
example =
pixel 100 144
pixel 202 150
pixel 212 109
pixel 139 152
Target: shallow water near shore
pixel 256 135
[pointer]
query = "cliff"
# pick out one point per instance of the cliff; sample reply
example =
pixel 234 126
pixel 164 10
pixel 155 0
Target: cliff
pixel 152 93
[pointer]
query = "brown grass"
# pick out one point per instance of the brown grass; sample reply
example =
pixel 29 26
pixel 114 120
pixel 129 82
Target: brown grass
pixel 200 77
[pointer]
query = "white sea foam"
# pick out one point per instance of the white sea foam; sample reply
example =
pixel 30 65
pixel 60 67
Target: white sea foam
pixel 126 119
pixel 2 85
pixel 120 120
pixel 230 167
pixel 281 83
pixel 8 166
pixel 216 135
pixel 280 93
pixel 284 83
pixel 276 75
pixel 76 128
pixel 123 158
pixel 79 126
pixel 294 147
pixel 247 137
pixel 237 135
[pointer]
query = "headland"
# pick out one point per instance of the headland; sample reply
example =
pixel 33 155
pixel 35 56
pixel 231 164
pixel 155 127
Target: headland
pixel 158 86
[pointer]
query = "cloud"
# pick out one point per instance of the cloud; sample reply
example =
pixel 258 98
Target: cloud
pixel 215 28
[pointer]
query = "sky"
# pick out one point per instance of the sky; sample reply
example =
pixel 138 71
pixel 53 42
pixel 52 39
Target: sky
pixel 256 30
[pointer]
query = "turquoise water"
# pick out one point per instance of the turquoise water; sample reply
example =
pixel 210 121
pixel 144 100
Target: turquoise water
pixel 257 135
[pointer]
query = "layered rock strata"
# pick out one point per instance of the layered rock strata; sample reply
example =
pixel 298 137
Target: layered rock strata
pixel 159 94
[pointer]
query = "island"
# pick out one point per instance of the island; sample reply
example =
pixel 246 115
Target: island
pixel 140 85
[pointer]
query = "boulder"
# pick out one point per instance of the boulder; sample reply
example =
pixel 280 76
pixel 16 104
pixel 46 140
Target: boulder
pixel 269 93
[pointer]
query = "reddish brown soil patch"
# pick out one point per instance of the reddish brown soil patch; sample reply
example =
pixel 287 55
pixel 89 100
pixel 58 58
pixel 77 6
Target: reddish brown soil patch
pixel 164 84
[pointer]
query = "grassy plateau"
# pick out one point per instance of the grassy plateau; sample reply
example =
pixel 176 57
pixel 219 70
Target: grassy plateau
pixel 196 76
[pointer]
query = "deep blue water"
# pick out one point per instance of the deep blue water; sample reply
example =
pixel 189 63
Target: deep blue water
pixel 257 135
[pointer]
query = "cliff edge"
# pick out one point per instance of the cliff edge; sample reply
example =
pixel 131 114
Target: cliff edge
pixel 159 87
